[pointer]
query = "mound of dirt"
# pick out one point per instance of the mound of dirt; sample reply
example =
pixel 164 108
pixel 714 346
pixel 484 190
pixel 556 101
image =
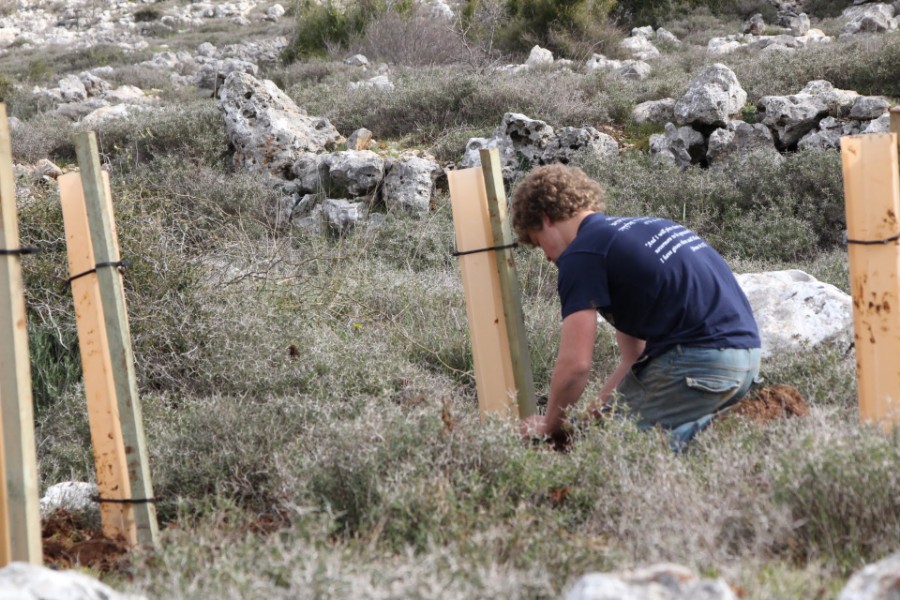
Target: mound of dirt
pixel 772 402
pixel 68 543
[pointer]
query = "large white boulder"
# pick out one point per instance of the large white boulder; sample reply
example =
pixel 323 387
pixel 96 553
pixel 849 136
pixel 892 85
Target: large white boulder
pixel 795 311
pixel 713 96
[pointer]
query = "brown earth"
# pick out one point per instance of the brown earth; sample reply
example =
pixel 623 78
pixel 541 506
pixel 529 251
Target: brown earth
pixel 68 543
pixel 772 402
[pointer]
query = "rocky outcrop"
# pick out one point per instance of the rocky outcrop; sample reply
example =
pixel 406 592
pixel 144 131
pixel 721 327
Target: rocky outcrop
pixel 410 183
pixel 869 18
pixel 523 143
pixel 713 97
pixel 741 139
pixel 654 111
pixel 682 145
pixel 267 131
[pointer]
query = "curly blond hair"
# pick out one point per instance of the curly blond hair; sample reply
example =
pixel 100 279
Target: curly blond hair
pixel 558 191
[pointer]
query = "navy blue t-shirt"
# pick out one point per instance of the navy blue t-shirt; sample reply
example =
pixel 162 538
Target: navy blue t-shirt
pixel 655 280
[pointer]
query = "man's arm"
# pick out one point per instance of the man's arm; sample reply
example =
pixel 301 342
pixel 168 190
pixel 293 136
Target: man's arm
pixel 630 349
pixel 570 374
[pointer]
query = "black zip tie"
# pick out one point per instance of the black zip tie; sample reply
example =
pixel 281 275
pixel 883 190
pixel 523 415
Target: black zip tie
pixel 21 251
pixel 875 242
pixel 126 500
pixel 113 263
pixel 457 253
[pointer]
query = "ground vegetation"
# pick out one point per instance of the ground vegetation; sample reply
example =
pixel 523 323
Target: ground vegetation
pixel 309 401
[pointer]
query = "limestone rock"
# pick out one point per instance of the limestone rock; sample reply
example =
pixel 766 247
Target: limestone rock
pixel 357 60
pixel 359 139
pixel 654 111
pixel 866 108
pixel 713 96
pixel 658 582
pixel 683 145
pixel 792 117
pixel 379 82
pixel 356 172
pixel 795 311
pixel 539 57
pixel 639 47
pixel 868 18
pixel 741 139
pixel 667 37
pixel 877 581
pixel 523 142
pixel 267 130
pixel 23 581
pixel 410 184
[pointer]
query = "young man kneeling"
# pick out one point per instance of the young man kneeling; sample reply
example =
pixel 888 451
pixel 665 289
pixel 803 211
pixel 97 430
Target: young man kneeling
pixel 688 341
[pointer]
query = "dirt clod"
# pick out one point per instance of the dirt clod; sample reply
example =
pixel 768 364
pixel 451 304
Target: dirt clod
pixel 67 542
pixel 772 402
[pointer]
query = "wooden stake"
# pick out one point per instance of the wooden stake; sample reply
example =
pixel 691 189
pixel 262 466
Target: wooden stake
pixel 116 362
pixel 494 378
pixel 510 293
pixel 872 191
pixel 110 461
pixel 20 521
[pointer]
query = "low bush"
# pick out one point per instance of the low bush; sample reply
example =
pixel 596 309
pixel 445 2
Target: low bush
pixel 412 38
pixel 867 64
pixel 325 25
pixel 842 496
pixel 195 132
pixel 802 197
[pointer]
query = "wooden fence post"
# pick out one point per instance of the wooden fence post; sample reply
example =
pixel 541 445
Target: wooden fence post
pixel 510 292
pixel 20 521
pixel 120 450
pixel 872 195
pixel 495 378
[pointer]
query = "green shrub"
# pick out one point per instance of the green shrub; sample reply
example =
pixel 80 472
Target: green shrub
pixel 428 102
pixel 146 15
pixel 195 132
pixel 6 88
pixel 55 363
pixel 867 64
pixel 324 25
pixel 560 25
pixel 801 196
pixel 409 38
pixel 842 496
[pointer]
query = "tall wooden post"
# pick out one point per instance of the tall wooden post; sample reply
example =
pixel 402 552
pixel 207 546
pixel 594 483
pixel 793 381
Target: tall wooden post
pixel 120 450
pixel 872 194
pixel 20 521
pixel 495 379
pixel 510 292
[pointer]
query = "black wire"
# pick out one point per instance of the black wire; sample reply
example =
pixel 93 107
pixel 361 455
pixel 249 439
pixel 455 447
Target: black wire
pixel 115 263
pixel 463 253
pixel 875 242
pixel 21 251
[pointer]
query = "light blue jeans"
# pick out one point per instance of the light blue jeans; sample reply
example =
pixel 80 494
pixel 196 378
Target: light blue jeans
pixel 683 389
